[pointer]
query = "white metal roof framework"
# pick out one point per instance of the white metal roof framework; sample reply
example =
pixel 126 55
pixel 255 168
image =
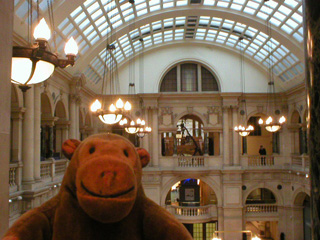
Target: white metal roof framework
pixel 218 22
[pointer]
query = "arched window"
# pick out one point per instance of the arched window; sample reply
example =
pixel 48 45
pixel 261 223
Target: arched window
pixel 261 196
pixel 189 77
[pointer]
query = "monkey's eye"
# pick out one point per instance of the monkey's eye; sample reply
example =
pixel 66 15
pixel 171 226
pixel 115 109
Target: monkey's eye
pixel 126 153
pixel 91 150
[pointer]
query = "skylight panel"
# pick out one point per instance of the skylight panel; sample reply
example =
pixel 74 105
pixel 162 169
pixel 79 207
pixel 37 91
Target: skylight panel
pixel 76 11
pixel 67 29
pixel 223 4
pixel 117 24
pixel 141 6
pixel 154 8
pixel 168 5
pixel 100 21
pixel 284 10
pixel 253 5
pixel 154 2
pixel 286 29
pixel 103 26
pixel 262 15
pixel 88 3
pixel 275 21
pixel 249 10
pixel 209 2
pixel 298 37
pixel 125 6
pixel 291 3
pixel 236 7
pixel 297 17
pixel 127 12
pixel 93 7
pixel 80 18
pixel 92 35
pixel 88 30
pixel 182 3
pixel 96 14
pixel 84 24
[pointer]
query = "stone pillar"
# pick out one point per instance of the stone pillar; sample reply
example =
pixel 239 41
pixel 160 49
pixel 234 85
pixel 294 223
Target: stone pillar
pixel 16 138
pixel 28 138
pixel 225 126
pixel 236 138
pixel 312 50
pixel 220 143
pixel 145 139
pixel 72 117
pixel 206 144
pixel 6 29
pixel 78 104
pixel 155 138
pixel 37 131
pixel 297 222
pixel 220 221
pixel 50 141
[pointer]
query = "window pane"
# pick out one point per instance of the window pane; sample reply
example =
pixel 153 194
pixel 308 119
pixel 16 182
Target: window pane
pixel 209 83
pixel 169 82
pixel 189 81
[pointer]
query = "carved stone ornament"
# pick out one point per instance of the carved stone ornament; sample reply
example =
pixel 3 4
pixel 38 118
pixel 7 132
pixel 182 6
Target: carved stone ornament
pixel 166 116
pixel 213 115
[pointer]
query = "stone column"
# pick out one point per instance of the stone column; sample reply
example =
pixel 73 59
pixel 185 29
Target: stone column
pixel 225 126
pixel 50 141
pixel 220 221
pixel 312 50
pixel 155 138
pixel 16 138
pixel 72 117
pixel 145 139
pixel 28 138
pixel 206 144
pixel 235 137
pixel 6 29
pixel 37 131
pixel 78 104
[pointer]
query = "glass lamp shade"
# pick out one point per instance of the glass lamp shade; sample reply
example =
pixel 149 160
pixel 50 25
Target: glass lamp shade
pixel 71 47
pixel 273 127
pixel 132 130
pixel 142 132
pixel 25 71
pixel 42 31
pixel 243 131
pixel 110 118
pixel 256 238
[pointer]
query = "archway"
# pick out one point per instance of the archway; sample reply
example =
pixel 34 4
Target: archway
pixel 47 127
pixel 60 129
pixel 261 213
pixel 187 140
pixel 302 216
pixel 194 203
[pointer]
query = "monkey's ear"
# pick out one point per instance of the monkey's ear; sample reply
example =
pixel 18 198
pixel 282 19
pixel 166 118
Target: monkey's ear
pixel 69 146
pixel 144 156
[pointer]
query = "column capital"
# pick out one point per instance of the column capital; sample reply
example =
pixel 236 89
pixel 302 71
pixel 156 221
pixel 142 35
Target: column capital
pixel 17 113
pixel 48 121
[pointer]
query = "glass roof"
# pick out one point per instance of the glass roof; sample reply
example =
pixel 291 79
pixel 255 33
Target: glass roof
pixel 90 23
pixel 220 31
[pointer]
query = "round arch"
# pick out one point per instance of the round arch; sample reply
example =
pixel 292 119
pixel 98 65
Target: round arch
pixel 189 60
pixel 46 105
pixel 16 96
pixel 211 183
pixel 60 110
pixel 179 116
pixel 295 117
pixel 279 198
pixel 298 196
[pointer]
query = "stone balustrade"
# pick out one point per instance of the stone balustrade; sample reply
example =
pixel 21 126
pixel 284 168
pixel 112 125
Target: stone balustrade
pixel 193 213
pixel 191 161
pixel 300 162
pixel 15 176
pixel 257 160
pixel 261 208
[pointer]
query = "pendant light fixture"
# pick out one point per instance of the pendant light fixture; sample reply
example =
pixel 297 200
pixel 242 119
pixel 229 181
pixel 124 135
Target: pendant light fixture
pixel 243 129
pixel 273 122
pixel 113 113
pixel 35 64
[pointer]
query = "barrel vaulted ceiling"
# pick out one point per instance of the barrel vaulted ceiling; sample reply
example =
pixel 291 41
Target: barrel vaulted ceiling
pixel 161 22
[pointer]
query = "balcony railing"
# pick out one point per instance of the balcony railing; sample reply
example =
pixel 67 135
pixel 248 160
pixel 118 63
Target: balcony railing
pixel 261 208
pixel 193 213
pixel 15 174
pixel 190 161
pixel 301 162
pixel 257 160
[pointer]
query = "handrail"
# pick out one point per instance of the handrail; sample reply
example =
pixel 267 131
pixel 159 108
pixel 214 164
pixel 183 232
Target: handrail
pixel 260 160
pixel 261 208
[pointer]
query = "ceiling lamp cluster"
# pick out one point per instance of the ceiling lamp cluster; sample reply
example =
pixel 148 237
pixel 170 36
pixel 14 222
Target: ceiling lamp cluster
pixel 242 129
pixel 273 122
pixel 35 64
pixel 113 114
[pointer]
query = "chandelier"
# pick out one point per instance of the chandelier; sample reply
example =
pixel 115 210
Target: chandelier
pixel 242 129
pixel 273 121
pixel 113 113
pixel 133 127
pixel 143 131
pixel 35 64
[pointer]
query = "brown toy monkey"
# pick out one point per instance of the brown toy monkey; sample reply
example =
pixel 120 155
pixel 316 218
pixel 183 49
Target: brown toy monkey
pixel 101 197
